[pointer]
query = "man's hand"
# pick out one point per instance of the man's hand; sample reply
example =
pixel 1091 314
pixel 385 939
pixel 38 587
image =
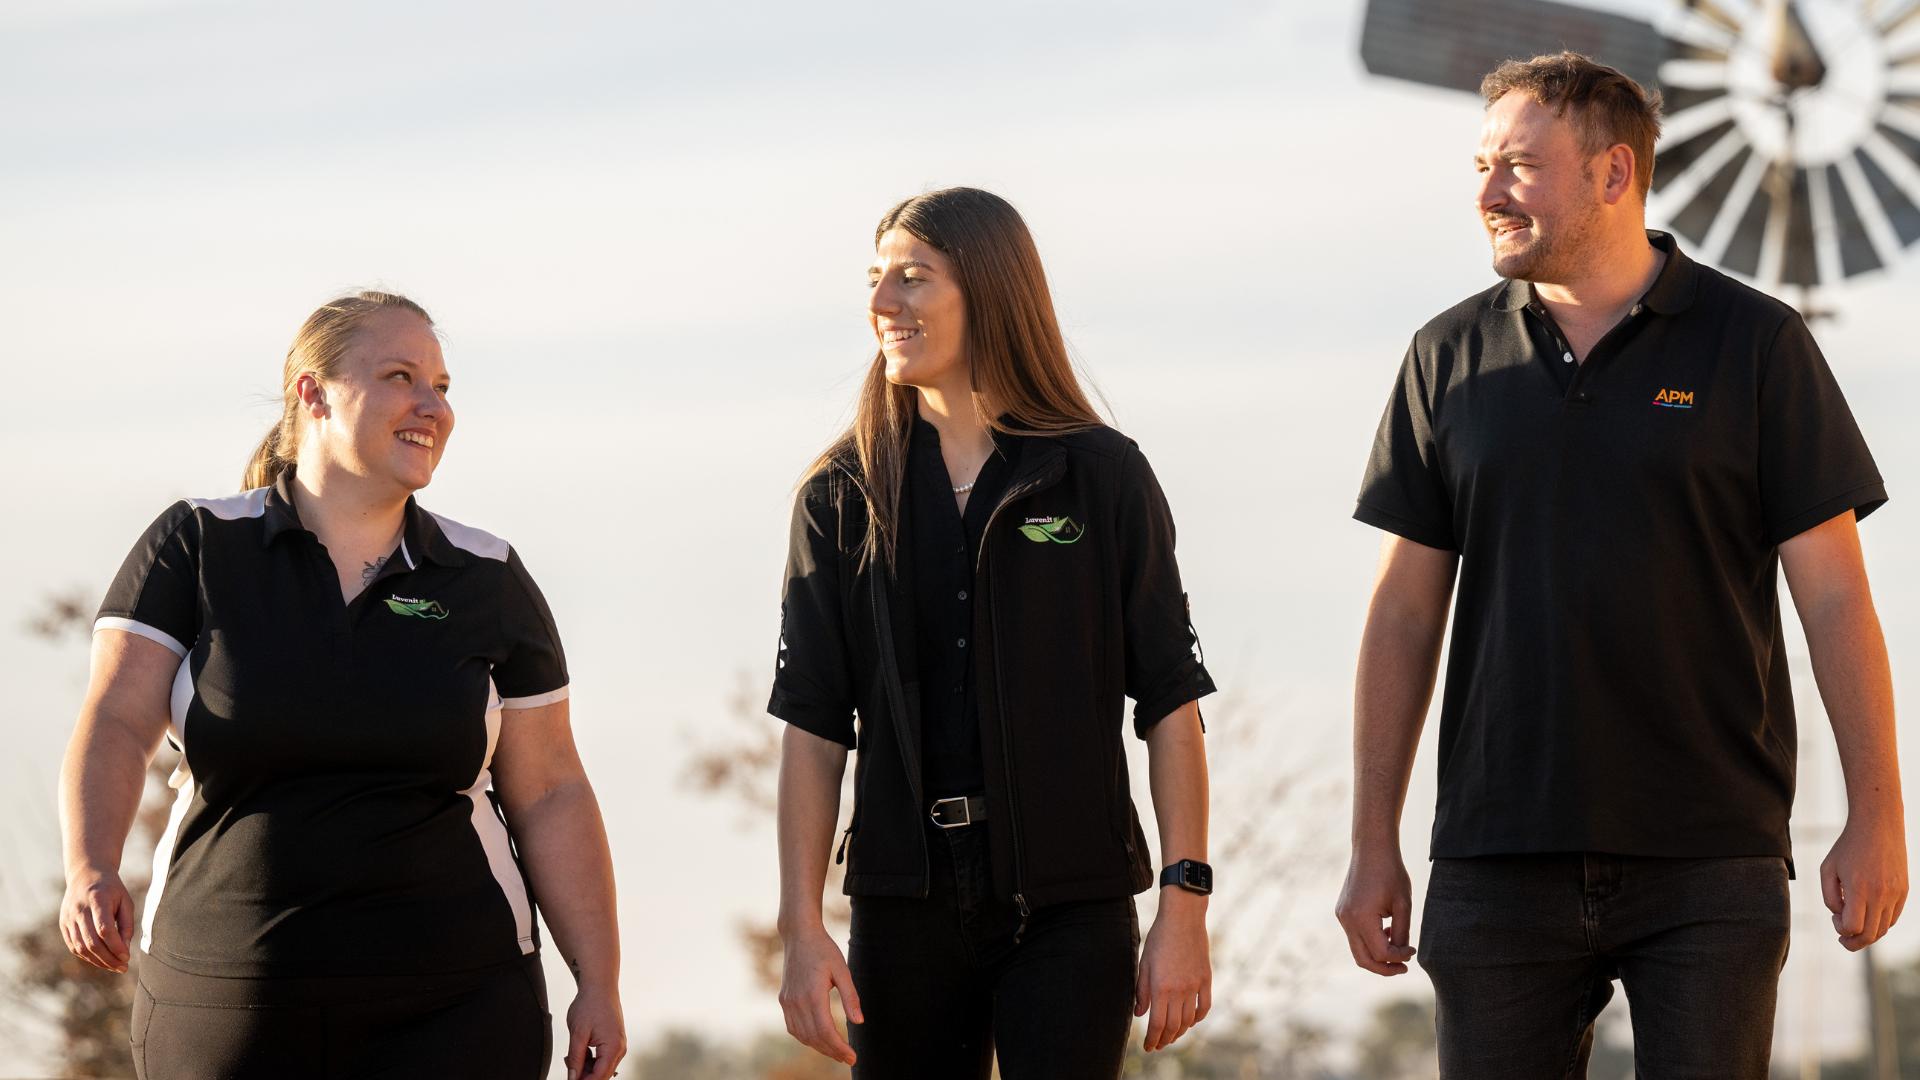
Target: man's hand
pixel 1176 969
pixel 814 967
pixel 1864 880
pixel 1376 910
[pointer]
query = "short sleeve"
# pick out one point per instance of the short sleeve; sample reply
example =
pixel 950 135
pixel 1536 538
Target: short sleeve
pixel 156 594
pixel 1814 463
pixel 1405 492
pixel 1162 653
pixel 812 676
pixel 534 670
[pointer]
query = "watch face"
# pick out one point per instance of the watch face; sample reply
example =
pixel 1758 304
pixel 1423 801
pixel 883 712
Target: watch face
pixel 1791 147
pixel 1198 876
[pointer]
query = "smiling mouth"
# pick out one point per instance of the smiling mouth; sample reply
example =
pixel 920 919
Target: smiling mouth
pixel 895 337
pixel 1506 227
pixel 416 438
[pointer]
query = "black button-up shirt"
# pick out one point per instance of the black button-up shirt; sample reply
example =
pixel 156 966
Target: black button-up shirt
pixel 944 543
pixel 1618 677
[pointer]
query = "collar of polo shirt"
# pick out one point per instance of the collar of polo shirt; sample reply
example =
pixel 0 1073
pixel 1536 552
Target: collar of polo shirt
pixel 1672 291
pixel 421 537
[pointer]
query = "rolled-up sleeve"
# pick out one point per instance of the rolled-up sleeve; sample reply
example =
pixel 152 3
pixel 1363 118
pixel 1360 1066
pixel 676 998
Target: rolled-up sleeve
pixel 1163 666
pixel 812 681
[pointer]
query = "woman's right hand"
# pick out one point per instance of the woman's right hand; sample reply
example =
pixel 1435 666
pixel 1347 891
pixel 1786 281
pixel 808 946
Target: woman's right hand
pixel 96 919
pixel 814 967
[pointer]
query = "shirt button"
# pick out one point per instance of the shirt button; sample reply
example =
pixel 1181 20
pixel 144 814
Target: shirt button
pixel 1583 396
pixel 963 643
pixel 963 594
pixel 1635 311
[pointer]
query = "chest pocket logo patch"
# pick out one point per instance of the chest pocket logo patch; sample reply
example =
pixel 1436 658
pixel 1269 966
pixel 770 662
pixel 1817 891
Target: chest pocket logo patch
pixel 419 609
pixel 1674 399
pixel 1052 530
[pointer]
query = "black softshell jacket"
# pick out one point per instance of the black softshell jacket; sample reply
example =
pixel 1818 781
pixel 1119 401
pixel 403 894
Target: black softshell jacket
pixel 1078 606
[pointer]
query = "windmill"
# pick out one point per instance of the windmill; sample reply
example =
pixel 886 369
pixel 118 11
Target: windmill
pixel 1791 150
pixel 1790 154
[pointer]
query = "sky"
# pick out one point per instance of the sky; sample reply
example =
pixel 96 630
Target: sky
pixel 643 230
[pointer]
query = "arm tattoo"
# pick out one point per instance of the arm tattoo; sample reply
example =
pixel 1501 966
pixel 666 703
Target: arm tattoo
pixel 373 570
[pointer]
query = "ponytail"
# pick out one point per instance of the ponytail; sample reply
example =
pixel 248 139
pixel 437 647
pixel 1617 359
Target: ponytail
pixel 270 459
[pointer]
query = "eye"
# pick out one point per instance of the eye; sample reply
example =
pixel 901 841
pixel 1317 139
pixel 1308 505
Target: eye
pixel 402 374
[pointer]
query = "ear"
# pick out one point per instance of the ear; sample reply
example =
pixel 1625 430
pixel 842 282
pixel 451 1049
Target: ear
pixel 313 396
pixel 1617 167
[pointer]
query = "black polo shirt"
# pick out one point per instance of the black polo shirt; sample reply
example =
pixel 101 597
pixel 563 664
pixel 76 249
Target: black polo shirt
pixel 1618 676
pixel 335 812
pixel 944 546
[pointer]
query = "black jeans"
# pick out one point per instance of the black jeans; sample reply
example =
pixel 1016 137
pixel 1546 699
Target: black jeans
pixel 490 1023
pixel 1523 951
pixel 944 984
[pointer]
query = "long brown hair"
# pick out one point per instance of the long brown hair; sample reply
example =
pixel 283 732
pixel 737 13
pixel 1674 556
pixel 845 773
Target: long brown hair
pixel 317 350
pixel 1023 379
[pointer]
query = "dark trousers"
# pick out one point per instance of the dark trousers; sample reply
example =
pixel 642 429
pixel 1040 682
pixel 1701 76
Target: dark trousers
pixel 944 985
pixel 1523 951
pixel 490 1023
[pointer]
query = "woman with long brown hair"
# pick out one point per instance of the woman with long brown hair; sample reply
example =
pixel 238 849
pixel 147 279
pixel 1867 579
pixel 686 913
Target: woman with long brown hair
pixel 980 571
pixel 378 772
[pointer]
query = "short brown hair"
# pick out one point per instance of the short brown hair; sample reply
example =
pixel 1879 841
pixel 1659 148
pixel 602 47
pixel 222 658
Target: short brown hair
pixel 1606 107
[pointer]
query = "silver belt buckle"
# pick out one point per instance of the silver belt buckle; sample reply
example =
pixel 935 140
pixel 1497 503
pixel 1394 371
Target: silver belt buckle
pixel 966 813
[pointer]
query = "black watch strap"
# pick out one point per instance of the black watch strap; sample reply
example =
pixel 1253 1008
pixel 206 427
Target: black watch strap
pixel 1190 875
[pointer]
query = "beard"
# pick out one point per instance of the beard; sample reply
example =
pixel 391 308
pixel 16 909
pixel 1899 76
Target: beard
pixel 1554 254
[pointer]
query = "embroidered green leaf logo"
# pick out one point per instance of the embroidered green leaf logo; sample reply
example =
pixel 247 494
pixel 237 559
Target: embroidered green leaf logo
pixel 1060 530
pixel 419 609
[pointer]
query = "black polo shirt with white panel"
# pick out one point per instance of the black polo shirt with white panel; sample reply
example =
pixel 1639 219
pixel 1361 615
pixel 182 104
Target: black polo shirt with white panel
pixel 334 813
pixel 1618 676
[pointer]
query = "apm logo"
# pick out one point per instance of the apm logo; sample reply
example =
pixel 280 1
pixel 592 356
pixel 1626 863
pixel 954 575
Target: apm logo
pixel 1674 399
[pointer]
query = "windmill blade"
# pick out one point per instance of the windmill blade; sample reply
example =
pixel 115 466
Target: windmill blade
pixel 1454 43
pixel 1853 246
pixel 1887 158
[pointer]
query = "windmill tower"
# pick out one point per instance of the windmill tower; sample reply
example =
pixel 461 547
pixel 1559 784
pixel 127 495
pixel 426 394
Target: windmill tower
pixel 1790 157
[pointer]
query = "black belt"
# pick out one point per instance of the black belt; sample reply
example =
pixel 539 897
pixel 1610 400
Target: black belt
pixel 959 810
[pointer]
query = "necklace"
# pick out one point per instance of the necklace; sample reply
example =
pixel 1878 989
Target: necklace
pixel 966 487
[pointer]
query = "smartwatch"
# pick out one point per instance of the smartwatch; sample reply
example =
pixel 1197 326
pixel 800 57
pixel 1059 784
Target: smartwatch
pixel 1190 875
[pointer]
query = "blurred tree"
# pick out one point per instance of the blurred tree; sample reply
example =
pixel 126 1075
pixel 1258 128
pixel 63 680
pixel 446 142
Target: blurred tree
pixel 87 1007
pixel 1398 1043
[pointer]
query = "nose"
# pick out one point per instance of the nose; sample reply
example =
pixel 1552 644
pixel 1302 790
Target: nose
pixel 428 403
pixel 884 297
pixel 1492 194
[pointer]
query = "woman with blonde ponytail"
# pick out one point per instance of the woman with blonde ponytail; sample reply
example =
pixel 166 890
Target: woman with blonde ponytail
pixel 378 773
pixel 979 573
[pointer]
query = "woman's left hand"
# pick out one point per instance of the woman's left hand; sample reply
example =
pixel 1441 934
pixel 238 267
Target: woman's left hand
pixel 1176 970
pixel 596 1035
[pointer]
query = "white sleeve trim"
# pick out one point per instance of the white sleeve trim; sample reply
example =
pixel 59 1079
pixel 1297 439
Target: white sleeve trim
pixel 141 629
pixel 534 701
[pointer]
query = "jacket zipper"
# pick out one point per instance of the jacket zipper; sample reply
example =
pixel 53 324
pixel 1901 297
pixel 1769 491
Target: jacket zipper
pixel 1000 696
